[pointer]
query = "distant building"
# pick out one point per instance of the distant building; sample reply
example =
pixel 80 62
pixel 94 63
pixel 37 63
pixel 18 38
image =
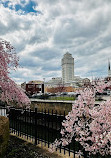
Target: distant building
pixel 109 69
pixel 67 68
pixel 77 82
pixel 23 85
pixel 33 87
pixel 36 82
pixel 68 77
pixel 54 82
pixel 108 78
pixel 86 82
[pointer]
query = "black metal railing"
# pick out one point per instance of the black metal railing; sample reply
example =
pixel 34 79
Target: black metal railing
pixel 41 127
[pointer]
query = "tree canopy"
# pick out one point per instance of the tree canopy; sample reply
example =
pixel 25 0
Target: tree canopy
pixel 90 124
pixel 9 90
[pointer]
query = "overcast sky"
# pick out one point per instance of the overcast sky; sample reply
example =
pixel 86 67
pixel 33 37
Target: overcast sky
pixel 43 30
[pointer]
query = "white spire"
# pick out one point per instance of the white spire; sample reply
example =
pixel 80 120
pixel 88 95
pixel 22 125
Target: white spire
pixel 109 69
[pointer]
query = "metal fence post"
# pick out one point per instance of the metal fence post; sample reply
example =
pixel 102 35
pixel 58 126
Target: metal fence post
pixel 35 126
pixel 48 127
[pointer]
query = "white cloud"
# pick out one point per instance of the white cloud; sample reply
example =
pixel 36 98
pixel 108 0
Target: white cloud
pixel 80 26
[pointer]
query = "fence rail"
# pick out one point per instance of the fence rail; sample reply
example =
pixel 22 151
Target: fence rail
pixel 41 127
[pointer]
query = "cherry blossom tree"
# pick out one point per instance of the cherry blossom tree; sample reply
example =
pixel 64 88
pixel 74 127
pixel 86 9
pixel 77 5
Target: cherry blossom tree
pixel 9 91
pixel 89 123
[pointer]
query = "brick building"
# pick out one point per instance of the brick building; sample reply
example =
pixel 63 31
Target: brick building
pixel 33 87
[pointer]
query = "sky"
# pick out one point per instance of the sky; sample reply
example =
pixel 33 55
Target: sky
pixel 42 31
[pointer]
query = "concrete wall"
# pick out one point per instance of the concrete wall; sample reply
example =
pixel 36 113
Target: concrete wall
pixel 60 106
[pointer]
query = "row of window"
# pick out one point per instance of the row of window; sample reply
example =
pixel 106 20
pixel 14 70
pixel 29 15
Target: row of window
pixel 34 86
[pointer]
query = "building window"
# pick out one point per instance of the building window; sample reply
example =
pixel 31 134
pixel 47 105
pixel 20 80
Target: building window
pixel 38 86
pixel 30 86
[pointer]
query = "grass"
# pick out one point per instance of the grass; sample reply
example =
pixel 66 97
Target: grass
pixel 63 98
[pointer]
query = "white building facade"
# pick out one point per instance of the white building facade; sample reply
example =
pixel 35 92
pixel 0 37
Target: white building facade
pixel 54 82
pixel 67 68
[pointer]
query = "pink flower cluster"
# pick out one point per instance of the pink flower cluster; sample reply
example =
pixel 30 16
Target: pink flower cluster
pixel 88 123
pixel 9 91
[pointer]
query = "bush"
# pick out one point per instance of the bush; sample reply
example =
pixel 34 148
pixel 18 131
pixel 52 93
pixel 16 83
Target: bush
pixel 4 134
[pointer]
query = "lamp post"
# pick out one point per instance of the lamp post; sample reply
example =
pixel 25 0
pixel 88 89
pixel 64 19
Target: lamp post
pixel 44 85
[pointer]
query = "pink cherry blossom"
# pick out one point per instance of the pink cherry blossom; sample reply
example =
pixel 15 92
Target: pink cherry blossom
pixel 88 122
pixel 10 92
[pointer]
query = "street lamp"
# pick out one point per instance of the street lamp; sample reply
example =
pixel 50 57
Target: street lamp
pixel 44 85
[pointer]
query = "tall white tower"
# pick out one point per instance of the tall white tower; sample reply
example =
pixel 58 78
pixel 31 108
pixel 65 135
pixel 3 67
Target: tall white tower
pixel 67 68
pixel 109 69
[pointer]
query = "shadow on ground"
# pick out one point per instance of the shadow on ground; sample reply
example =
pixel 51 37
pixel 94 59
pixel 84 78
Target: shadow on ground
pixel 18 148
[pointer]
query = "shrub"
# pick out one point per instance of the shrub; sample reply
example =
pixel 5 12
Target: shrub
pixel 4 134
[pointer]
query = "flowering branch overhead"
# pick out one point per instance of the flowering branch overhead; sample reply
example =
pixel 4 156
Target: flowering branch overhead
pixel 9 91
